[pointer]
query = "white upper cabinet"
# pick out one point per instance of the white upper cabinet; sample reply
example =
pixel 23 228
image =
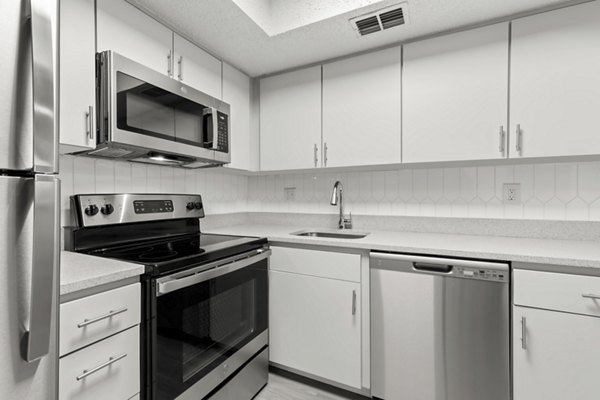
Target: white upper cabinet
pixel 455 96
pixel 236 92
pixel 361 110
pixel 128 31
pixel 290 120
pixel 195 67
pixel 77 75
pixel 555 82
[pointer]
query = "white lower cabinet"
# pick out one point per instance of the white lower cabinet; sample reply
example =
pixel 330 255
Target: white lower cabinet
pixel 100 346
pixel 556 336
pixel 559 358
pixel 314 321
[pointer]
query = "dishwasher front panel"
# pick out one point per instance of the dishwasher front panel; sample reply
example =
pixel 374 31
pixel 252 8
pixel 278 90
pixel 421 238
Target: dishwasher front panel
pixel 439 336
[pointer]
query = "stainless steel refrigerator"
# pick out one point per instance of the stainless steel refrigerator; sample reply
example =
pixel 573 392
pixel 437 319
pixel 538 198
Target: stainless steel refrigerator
pixel 29 193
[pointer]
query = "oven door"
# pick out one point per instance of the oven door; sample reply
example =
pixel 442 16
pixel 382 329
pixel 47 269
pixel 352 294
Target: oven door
pixel 206 325
pixel 146 109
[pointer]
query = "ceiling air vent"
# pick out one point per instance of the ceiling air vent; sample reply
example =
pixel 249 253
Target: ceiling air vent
pixel 379 20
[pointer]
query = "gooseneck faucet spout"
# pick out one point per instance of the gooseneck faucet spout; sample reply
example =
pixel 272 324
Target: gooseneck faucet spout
pixel 337 197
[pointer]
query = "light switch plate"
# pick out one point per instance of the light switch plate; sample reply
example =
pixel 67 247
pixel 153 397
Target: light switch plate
pixel 289 193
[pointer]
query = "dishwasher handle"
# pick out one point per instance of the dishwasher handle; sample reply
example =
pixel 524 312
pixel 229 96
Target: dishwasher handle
pixel 430 267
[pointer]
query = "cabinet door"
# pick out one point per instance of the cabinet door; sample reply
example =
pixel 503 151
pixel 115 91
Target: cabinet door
pixel 290 120
pixel 455 96
pixel 236 92
pixel 555 84
pixel 196 68
pixel 361 110
pixel 313 326
pixel 561 358
pixel 128 31
pixel 77 75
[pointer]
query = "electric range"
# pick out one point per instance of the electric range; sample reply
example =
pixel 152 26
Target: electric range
pixel 204 296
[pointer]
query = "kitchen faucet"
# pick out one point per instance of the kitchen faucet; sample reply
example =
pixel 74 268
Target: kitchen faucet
pixel 336 196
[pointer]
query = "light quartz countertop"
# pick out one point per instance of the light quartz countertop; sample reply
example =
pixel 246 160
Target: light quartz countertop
pixel 80 271
pixel 578 254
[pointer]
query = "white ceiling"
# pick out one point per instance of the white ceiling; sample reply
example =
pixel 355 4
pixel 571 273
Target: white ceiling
pixel 265 36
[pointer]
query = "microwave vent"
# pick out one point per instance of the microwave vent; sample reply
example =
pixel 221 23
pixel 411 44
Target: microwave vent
pixel 380 20
pixel 110 152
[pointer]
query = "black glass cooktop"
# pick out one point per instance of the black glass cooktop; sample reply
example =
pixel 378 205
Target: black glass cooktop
pixel 169 255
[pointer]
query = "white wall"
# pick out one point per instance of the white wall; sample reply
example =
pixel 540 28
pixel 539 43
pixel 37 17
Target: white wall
pixel 564 191
pixel 222 191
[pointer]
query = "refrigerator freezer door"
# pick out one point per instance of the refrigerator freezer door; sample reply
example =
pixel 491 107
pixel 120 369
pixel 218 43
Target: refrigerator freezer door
pixel 28 82
pixel 21 288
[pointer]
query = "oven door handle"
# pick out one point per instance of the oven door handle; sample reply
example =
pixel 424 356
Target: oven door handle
pixel 185 279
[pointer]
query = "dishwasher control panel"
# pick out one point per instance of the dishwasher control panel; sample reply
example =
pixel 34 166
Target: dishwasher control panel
pixel 485 274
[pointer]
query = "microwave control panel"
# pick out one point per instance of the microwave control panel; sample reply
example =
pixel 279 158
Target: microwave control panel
pixel 222 132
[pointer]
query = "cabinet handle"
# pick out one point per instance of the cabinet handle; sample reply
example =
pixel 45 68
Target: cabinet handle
pixel 180 65
pixel 354 302
pixel 89 130
pixel 524 333
pixel 591 296
pixel 502 135
pixel 110 361
pixel 316 150
pixel 519 144
pixel 109 314
pixel 325 154
pixel 169 69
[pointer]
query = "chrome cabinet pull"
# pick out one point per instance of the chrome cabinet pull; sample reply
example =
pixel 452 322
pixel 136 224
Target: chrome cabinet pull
pixel 109 314
pixel 89 115
pixel 519 144
pixel 502 135
pixel 110 361
pixel 325 153
pixel 591 296
pixel 354 302
pixel 180 65
pixel 316 158
pixel 524 333
pixel 169 69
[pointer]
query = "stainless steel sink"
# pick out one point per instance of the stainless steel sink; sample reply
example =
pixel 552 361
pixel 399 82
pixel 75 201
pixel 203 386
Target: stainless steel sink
pixel 331 234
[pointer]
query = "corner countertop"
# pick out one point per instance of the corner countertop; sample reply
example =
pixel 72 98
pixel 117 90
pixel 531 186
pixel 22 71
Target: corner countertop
pixel 80 271
pixel 576 254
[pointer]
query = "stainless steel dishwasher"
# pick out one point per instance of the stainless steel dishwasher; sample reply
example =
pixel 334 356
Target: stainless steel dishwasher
pixel 439 328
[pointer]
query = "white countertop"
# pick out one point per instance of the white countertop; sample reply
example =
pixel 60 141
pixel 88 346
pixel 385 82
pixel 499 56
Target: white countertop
pixel 571 253
pixel 80 271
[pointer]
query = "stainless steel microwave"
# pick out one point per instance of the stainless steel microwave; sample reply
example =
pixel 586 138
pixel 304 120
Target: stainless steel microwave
pixel 148 117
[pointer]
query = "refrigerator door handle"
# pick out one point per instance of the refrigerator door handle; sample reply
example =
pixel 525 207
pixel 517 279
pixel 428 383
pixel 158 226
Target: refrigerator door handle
pixel 44 33
pixel 44 269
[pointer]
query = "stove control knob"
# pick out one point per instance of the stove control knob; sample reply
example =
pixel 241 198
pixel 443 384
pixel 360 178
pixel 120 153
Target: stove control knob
pixel 91 210
pixel 107 209
pixel 198 205
pixel 190 206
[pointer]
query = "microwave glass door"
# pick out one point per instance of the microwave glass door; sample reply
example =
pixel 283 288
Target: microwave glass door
pixel 200 326
pixel 150 110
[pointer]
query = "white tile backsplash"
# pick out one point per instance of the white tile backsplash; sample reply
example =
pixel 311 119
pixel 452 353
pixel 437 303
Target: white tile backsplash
pixel 561 191
pixel 564 191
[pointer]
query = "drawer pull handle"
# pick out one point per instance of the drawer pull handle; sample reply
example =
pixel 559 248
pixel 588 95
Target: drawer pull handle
pixel 591 296
pixel 110 361
pixel 524 333
pixel 109 314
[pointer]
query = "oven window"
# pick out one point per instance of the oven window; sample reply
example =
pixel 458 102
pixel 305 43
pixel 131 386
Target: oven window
pixel 199 327
pixel 149 110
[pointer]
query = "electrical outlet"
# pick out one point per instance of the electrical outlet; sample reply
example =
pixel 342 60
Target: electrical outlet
pixel 511 193
pixel 289 193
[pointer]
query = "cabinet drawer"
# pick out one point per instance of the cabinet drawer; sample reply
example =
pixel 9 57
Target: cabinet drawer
pixel 118 380
pixel 324 264
pixel 560 292
pixel 87 320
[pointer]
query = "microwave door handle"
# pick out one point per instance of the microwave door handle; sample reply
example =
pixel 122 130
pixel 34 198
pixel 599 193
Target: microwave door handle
pixel 35 341
pixel 210 134
pixel 44 33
